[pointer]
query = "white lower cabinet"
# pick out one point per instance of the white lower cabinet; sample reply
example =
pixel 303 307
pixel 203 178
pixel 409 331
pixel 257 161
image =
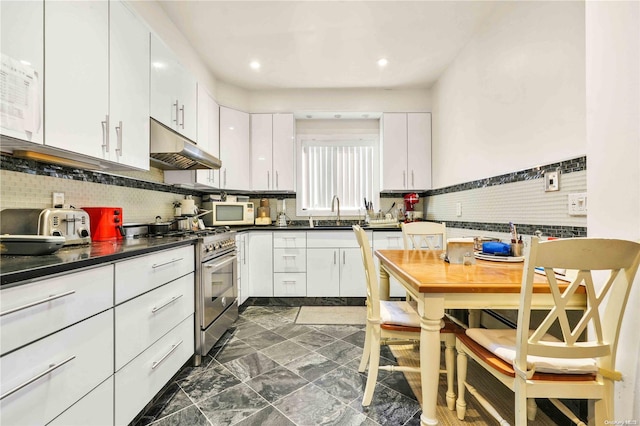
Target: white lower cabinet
pixel 290 284
pixel 95 409
pixel 334 265
pixel 140 380
pixel 261 265
pixel 145 319
pixel 46 377
pixel 243 268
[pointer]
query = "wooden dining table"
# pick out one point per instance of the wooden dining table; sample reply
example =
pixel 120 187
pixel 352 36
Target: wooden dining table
pixel 437 285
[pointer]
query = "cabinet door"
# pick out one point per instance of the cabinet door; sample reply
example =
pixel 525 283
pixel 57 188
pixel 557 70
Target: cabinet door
pixel 164 75
pixel 394 151
pixel 352 277
pixel 392 241
pixel 234 149
pixel 187 109
pixel 22 35
pixel 262 177
pixel 283 152
pixel 261 265
pixel 243 268
pixel 207 135
pixel 419 150
pixel 95 409
pixel 77 78
pixel 129 88
pixel 323 272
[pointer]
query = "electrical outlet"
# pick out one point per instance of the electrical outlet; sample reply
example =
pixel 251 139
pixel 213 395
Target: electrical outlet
pixel 58 199
pixel 551 181
pixel 458 209
pixel 578 204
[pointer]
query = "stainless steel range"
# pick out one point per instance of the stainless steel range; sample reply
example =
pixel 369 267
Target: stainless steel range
pixel 216 287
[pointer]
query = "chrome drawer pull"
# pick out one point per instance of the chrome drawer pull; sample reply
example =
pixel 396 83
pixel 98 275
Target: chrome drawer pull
pixel 157 265
pixel 289 255
pixel 173 299
pixel 37 302
pixel 289 281
pixel 51 368
pixel 158 362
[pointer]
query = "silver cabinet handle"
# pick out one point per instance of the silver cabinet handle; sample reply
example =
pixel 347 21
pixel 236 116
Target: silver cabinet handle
pixel 165 304
pixel 344 258
pixel 119 138
pixel 413 179
pixel 51 368
pixel 225 177
pixel 289 255
pixel 404 178
pixel 277 180
pixel 334 257
pixel 37 302
pixel 177 106
pixel 268 180
pixel 182 110
pixel 105 133
pixel 157 265
pixel 158 362
pixel 244 249
pixel 289 281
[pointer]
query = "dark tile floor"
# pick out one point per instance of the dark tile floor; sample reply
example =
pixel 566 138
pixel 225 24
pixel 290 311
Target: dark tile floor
pixel 270 371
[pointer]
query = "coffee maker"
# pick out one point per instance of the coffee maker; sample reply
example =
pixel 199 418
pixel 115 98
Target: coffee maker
pixel 410 201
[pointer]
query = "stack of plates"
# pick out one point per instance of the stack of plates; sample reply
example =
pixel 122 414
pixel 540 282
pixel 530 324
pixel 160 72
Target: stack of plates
pixel 495 258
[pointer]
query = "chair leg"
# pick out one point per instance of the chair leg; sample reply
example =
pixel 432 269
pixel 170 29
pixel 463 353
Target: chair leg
pixel 449 362
pixel 366 351
pixel 374 363
pixel 532 409
pixel 521 402
pixel 461 405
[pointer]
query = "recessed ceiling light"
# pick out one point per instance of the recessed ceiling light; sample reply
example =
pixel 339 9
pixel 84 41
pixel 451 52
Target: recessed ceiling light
pixel 382 62
pixel 23 62
pixel 159 65
pixel 255 65
pixel 231 128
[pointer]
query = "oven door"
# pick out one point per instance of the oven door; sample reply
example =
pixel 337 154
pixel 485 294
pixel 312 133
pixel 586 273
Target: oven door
pixel 219 283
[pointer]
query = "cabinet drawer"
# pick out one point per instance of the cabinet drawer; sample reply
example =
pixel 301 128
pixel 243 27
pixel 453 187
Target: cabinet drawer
pixel 82 358
pixel 143 320
pixel 144 273
pixel 95 409
pixel 140 380
pixel 331 239
pixel 290 285
pixel 65 300
pixel 289 240
pixel 388 240
pixel 289 260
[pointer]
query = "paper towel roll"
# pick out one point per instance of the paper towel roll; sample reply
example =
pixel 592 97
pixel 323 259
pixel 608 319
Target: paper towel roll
pixel 188 207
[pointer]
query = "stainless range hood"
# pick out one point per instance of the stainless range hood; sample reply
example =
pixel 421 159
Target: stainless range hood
pixel 171 151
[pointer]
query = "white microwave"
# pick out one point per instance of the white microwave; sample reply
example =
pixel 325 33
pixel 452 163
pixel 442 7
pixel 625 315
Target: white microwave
pixel 223 213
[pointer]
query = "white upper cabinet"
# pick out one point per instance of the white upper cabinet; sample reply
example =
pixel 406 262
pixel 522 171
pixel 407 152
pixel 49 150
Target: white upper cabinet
pixel 77 76
pixel 22 67
pixel 129 88
pixel 272 152
pixel 234 149
pixel 261 152
pixel 208 138
pixel 173 91
pixel 406 151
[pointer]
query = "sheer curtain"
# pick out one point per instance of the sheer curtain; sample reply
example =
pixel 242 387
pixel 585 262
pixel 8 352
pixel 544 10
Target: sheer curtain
pixel 345 167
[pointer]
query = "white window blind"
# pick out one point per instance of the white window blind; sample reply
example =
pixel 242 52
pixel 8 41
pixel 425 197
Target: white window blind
pixel 346 168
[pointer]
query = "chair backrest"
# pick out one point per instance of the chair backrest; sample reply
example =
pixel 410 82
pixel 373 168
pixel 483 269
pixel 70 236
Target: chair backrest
pixel 606 267
pixel 373 290
pixel 420 235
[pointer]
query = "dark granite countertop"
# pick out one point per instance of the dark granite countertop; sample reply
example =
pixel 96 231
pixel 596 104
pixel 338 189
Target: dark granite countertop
pixel 15 269
pixel 306 227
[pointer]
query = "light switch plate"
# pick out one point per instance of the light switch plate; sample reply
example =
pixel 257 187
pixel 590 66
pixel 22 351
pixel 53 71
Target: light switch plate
pixel 578 204
pixel 551 181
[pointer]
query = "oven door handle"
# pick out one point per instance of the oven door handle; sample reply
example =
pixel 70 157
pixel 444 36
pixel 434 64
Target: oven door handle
pixel 221 264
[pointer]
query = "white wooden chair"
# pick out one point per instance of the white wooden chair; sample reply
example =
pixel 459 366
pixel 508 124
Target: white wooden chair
pixel 420 235
pixel 388 322
pixel 536 365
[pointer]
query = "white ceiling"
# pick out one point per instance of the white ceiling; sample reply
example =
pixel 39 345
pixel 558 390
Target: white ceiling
pixel 328 44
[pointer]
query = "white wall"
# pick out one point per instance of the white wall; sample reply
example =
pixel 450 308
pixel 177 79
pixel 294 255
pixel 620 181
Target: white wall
pixel 613 160
pixel 340 100
pixel 514 97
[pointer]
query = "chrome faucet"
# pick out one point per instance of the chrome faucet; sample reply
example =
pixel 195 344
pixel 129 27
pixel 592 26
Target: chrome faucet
pixel 333 202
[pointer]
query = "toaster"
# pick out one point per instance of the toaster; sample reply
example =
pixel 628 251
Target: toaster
pixel 72 224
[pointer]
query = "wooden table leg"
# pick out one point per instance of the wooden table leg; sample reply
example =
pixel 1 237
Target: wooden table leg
pixel 431 313
pixel 384 284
